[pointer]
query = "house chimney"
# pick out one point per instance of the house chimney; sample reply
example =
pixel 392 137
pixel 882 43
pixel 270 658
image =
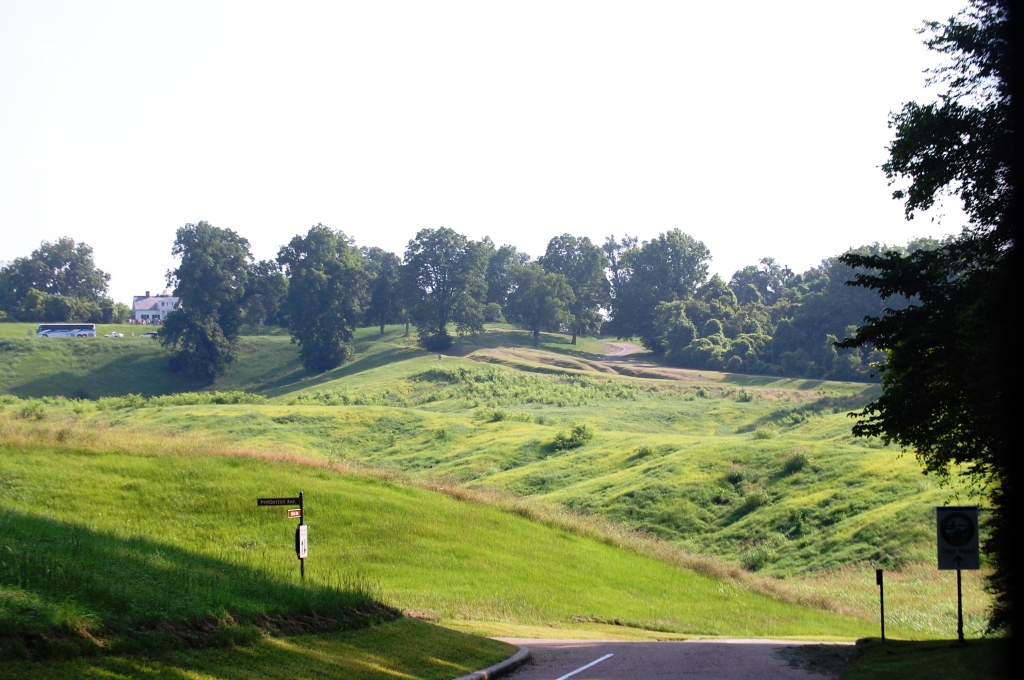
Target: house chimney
pixel 147 293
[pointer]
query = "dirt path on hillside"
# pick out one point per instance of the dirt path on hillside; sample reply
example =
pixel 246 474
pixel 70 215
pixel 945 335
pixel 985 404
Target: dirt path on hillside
pixel 623 349
pixel 704 659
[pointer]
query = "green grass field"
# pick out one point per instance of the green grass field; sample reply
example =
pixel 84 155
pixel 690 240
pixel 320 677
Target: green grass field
pixel 164 562
pixel 758 472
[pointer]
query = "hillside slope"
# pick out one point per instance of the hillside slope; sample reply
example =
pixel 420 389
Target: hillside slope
pixel 762 471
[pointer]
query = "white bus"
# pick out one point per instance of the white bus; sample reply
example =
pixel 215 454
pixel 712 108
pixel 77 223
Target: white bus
pixel 66 330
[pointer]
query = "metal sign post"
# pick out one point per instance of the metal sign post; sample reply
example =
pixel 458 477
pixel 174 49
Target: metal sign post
pixel 957 530
pixel 881 598
pixel 301 531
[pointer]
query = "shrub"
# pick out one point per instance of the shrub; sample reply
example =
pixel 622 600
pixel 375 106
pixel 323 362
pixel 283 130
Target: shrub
pixel 797 461
pixel 735 475
pixel 756 498
pixel 762 553
pixel 744 396
pixel 181 399
pixel 766 432
pixel 581 433
pixel 646 449
pixel 115 403
pixel 32 410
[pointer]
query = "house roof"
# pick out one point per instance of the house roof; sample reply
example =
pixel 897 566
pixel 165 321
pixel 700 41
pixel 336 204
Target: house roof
pixel 141 303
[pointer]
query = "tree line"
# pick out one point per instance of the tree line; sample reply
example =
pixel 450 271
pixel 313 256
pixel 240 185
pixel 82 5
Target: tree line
pixel 321 286
pixel 58 282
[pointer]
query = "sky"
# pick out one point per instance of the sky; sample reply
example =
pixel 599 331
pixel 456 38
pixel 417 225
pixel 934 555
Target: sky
pixel 757 128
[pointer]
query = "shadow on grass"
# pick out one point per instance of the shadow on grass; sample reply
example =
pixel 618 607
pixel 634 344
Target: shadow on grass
pixel 301 380
pixel 406 648
pixel 68 591
pixel 146 373
pixel 924 660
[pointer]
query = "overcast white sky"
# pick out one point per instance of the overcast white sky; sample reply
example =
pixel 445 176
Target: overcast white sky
pixel 756 127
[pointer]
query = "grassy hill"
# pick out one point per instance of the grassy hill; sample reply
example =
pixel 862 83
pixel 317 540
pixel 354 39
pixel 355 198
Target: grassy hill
pixel 762 472
pixel 133 559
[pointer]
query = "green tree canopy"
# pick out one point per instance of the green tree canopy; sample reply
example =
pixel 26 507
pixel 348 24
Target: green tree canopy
pixel 210 280
pixel 326 293
pixel 446 271
pixel 265 294
pixel 949 374
pixel 583 265
pixel 670 267
pixel 539 300
pixel 386 299
pixel 58 282
pixel 501 267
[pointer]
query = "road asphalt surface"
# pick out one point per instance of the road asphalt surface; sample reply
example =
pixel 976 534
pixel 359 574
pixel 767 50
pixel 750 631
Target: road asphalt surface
pixel 614 660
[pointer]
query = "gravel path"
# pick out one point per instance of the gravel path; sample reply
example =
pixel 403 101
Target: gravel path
pixel 704 659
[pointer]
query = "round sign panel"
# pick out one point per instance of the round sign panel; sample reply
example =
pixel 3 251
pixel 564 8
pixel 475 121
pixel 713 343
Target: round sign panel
pixel 957 529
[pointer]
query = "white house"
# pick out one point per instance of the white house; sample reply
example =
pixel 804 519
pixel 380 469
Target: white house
pixel 152 308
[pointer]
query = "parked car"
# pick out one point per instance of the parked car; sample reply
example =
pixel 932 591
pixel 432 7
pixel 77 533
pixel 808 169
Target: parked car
pixel 114 334
pixel 150 334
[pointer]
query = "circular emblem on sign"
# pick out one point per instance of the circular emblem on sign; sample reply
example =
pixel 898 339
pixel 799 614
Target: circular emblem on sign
pixel 957 529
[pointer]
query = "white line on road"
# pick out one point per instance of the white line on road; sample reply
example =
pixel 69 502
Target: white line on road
pixel 583 668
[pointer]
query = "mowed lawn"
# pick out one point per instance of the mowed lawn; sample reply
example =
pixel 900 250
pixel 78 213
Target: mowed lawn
pixel 414 549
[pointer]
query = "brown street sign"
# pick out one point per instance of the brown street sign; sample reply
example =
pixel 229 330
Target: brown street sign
pixel 294 513
pixel 277 501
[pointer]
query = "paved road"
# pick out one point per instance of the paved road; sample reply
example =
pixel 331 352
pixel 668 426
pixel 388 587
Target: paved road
pixel 717 660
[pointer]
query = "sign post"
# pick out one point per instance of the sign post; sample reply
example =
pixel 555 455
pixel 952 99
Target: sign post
pixel 881 598
pixel 301 531
pixel 957 530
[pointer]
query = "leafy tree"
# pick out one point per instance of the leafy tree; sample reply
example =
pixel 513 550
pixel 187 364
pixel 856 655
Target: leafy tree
pixel 583 264
pixel 949 373
pixel 210 280
pixel 446 271
pixel 501 267
pixel 57 282
pixel 265 295
pixel 765 283
pixel 540 300
pixel 667 268
pixel 387 300
pixel 326 292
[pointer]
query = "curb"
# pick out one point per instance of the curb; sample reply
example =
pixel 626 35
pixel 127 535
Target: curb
pixel 502 667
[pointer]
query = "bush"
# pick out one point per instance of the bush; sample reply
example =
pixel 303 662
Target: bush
pixel 766 432
pixel 581 434
pixel 180 399
pixel 492 313
pixel 756 498
pixel 762 553
pixel 797 461
pixel 499 414
pixel 32 410
pixel 646 449
pixel 744 396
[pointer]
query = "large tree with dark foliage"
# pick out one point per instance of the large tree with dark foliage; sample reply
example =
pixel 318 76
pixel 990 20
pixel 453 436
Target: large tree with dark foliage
pixel 386 302
pixel 669 267
pixel 539 300
pixel 501 268
pixel 211 280
pixel 446 271
pixel 326 294
pixel 265 294
pixel 582 264
pixel 58 282
pixel 950 372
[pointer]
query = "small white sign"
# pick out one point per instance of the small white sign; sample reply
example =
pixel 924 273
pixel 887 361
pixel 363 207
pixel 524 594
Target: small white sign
pixel 957 528
pixel 301 541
